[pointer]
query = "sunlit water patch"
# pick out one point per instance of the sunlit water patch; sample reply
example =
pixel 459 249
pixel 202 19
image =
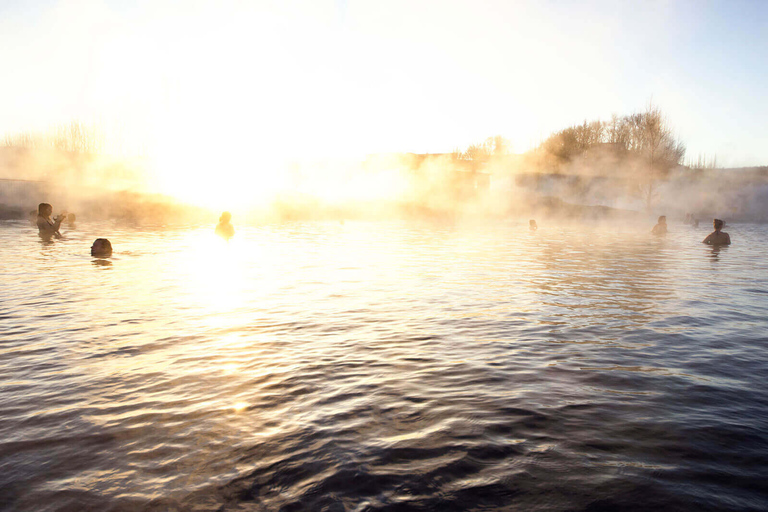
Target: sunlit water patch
pixel 383 366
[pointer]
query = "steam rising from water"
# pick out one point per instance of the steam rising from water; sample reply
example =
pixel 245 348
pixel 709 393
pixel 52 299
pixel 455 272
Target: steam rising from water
pixel 197 184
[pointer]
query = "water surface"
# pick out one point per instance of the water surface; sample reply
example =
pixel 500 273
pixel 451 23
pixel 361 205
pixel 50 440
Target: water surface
pixel 383 366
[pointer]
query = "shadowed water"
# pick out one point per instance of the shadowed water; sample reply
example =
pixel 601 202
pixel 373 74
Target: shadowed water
pixel 383 366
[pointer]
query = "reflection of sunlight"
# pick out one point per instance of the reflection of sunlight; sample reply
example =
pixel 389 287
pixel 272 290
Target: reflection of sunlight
pixel 233 340
pixel 229 369
pixel 216 274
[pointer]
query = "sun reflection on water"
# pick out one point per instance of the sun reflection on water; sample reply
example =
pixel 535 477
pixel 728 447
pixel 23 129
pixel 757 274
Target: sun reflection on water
pixel 240 406
pixel 215 271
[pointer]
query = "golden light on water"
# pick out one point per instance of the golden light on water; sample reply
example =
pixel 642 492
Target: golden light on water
pixel 240 406
pixel 217 274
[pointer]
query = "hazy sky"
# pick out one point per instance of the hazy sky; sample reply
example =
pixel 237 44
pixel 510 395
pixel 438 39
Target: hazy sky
pixel 314 77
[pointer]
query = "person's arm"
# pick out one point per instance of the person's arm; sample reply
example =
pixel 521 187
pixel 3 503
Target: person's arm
pixel 708 240
pixel 727 239
pixel 58 220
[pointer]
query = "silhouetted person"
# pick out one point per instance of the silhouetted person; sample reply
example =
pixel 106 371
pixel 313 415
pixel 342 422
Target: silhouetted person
pixel 46 226
pixel 718 237
pixel 224 229
pixel 661 226
pixel 532 225
pixel 101 248
pixel 71 220
pixel 33 217
pixel 695 223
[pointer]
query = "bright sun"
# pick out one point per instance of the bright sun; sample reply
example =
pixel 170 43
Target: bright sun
pixel 218 181
pixel 236 179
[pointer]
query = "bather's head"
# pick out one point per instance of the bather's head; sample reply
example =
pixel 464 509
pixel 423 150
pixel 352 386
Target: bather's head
pixel 663 219
pixel 225 217
pixel 71 218
pixel 532 225
pixel 44 210
pixel 101 248
pixel 718 224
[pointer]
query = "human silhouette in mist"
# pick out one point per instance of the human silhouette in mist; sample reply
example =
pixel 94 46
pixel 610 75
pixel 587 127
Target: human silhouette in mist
pixel 661 226
pixel 718 237
pixel 46 226
pixel 224 229
pixel 532 225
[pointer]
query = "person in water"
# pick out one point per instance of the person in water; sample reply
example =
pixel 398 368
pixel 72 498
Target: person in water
pixel 661 226
pixel 532 225
pixel 718 237
pixel 46 226
pixel 101 248
pixel 71 220
pixel 224 229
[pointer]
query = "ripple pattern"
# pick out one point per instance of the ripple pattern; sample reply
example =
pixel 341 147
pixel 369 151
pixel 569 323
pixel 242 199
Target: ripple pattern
pixel 383 366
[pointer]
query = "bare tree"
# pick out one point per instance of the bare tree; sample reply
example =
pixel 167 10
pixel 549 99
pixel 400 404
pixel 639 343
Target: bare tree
pixel 642 141
pixel 482 152
pixel 76 137
pixel 571 142
pixel 500 146
pixel 659 150
pixel 703 162
pixel 477 153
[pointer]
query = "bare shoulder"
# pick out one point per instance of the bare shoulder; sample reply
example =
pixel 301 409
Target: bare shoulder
pixel 716 238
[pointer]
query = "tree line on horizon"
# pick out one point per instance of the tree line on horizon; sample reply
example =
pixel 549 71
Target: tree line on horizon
pixel 640 147
pixel 646 135
pixel 75 137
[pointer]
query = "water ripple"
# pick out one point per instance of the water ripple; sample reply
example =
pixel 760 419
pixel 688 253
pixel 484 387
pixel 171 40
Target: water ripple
pixel 314 366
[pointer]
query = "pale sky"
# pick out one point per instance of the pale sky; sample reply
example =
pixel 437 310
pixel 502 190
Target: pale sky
pixel 305 78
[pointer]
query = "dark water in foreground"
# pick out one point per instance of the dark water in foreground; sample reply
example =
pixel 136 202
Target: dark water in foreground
pixel 384 367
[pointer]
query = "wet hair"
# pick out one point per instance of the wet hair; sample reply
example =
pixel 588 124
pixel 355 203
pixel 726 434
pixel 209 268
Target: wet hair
pixel 225 217
pixel 101 248
pixel 42 207
pixel 663 218
pixel 718 224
